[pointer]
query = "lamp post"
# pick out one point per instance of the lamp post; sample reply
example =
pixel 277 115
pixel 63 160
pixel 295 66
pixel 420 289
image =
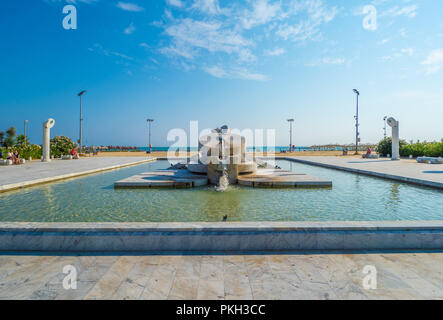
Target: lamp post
pixel 81 119
pixel 24 133
pixel 357 134
pixel 291 121
pixel 384 128
pixel 149 124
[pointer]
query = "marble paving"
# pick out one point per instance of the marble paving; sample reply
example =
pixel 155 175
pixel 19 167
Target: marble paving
pixel 165 179
pixel 35 172
pixel 277 178
pixel 264 178
pixel 404 275
pixel 404 170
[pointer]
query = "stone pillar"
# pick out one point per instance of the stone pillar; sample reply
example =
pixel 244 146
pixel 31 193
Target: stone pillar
pixel 394 124
pixel 46 139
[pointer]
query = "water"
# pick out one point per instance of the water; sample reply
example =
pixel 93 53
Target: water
pixel 93 199
pixel 223 182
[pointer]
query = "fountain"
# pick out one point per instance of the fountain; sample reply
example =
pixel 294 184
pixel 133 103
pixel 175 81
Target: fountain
pixel 222 153
pixel 222 160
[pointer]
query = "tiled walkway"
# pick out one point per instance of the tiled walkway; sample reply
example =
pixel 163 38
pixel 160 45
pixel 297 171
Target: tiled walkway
pixel 42 172
pixel 404 170
pixel 293 276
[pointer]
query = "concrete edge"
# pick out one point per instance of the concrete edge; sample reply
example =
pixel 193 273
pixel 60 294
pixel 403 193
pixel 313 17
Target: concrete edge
pixel 26 184
pixel 221 226
pixel 221 237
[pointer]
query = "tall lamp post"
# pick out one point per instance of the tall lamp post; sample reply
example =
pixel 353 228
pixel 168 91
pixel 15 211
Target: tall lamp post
pixel 291 122
pixel 24 133
pixel 149 124
pixel 81 119
pixel 357 134
pixel 384 128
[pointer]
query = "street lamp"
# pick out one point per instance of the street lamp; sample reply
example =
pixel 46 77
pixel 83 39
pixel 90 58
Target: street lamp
pixel 291 122
pixel 26 121
pixel 150 121
pixel 357 134
pixel 81 119
pixel 384 128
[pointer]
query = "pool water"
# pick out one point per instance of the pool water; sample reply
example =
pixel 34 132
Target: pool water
pixel 93 199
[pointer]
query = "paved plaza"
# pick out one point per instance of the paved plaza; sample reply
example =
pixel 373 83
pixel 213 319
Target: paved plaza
pixel 292 276
pixel 41 172
pixel 403 170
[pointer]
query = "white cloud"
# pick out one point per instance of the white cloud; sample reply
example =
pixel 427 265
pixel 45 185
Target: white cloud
pixel 327 61
pixel 232 35
pixel 130 29
pixel 98 48
pixel 175 3
pixel 399 54
pixel 72 1
pixel 434 61
pixel 236 73
pixel 261 13
pixel 190 36
pixel 211 7
pixel 408 11
pixel 216 71
pixel 127 6
pixel 308 29
pixel 275 52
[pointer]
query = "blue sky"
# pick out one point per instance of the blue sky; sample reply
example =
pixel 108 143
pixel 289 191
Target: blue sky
pixel 249 64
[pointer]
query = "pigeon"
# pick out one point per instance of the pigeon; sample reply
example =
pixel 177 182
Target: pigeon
pixel 225 218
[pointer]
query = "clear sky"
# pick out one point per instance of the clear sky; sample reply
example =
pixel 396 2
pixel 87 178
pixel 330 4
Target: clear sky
pixel 248 64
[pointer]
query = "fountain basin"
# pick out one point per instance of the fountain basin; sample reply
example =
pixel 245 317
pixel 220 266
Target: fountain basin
pixel 262 178
pixel 163 179
pixel 277 178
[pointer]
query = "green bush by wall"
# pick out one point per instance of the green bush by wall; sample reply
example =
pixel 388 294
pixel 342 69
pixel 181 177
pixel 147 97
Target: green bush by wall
pixel 417 149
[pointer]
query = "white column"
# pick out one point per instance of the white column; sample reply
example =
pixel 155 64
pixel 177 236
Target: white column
pixel 46 139
pixel 394 124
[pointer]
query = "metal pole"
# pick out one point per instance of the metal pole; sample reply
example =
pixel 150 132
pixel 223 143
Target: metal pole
pixel 81 119
pixel 149 124
pixel 291 121
pixel 356 123
pixel 290 135
pixel 356 129
pixel 80 138
pixel 26 121
pixel 149 135
pixel 384 128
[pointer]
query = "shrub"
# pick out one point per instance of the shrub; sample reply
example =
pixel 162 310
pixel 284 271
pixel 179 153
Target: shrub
pixel 61 146
pixel 29 150
pixel 385 146
pixel 417 149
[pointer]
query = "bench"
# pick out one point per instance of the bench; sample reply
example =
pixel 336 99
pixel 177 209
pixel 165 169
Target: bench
pixel 430 160
pixel 371 156
pixel 5 162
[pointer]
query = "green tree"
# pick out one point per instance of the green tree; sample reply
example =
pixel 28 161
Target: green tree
pixel 2 139
pixel 10 139
pixel 21 140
